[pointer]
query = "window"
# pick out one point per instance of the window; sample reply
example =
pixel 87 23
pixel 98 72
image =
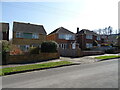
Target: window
pixel 99 45
pixel 35 36
pixel 89 45
pixel 27 35
pixel 66 36
pixel 18 35
pixel 98 38
pixel 63 46
pixel 73 45
pixel 24 47
pixel 89 37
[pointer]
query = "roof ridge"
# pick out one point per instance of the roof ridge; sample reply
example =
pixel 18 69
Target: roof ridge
pixel 28 23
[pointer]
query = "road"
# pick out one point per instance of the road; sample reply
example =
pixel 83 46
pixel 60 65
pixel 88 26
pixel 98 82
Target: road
pixel 96 75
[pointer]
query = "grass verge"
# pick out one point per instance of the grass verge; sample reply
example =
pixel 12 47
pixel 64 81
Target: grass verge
pixel 107 57
pixel 5 71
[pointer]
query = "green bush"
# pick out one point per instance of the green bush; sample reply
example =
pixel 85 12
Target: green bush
pixel 5 48
pixel 34 50
pixel 49 47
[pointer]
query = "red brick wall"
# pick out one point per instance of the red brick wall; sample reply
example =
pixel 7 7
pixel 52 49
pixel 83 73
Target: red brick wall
pixel 52 37
pixel 31 58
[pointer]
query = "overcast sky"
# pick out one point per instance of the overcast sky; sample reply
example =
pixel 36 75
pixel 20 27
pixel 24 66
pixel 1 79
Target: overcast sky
pixel 85 14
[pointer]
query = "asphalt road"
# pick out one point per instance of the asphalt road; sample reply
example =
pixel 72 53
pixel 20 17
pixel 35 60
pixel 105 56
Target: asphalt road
pixel 96 75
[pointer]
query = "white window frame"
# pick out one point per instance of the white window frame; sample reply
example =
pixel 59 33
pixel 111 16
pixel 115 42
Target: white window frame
pixel 89 45
pixel 35 36
pixel 18 35
pixel 89 36
pixel 98 38
pixel 99 45
pixel 66 36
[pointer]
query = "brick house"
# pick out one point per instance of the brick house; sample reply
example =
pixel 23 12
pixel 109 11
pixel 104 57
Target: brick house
pixel 65 40
pixel 26 35
pixel 112 39
pixel 86 38
pixel 4 31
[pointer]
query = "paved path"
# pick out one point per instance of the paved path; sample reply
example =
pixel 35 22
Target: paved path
pixel 95 75
pixel 85 59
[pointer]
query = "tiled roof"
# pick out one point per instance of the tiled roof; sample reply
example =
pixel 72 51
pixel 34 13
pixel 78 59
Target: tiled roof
pixel 86 31
pixel 61 30
pixel 28 28
pixel 4 27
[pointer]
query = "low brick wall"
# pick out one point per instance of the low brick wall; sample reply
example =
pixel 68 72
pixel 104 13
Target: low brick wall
pixel 31 58
pixel 70 52
pixel 87 53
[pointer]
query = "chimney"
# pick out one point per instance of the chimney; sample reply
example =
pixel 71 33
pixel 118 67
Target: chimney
pixel 77 29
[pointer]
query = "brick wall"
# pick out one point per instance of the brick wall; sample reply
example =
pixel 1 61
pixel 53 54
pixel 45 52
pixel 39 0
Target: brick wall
pixel 30 58
pixel 70 52
pixel 52 37
pixel 87 53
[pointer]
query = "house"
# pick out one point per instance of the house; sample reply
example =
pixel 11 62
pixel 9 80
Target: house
pixel 87 39
pixel 104 38
pixel 65 40
pixel 26 35
pixel 4 31
pixel 112 39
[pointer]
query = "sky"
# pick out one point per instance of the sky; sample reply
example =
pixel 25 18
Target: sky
pixel 70 14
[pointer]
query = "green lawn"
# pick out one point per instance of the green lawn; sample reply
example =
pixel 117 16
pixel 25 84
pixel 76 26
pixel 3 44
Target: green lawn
pixel 107 57
pixel 31 67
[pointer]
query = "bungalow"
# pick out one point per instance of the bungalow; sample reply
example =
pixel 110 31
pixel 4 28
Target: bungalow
pixel 26 35
pixel 87 39
pixel 4 31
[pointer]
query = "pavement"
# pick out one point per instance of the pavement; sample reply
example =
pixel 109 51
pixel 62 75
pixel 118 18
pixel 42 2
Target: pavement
pixel 80 60
pixel 94 75
pixel 85 59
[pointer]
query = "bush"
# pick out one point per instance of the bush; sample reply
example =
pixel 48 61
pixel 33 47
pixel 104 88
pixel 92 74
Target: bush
pixel 87 49
pixel 49 47
pixel 34 50
pixel 5 48
pixel 14 50
pixel 110 51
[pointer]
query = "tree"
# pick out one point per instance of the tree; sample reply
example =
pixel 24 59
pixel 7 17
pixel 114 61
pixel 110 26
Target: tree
pixel 109 30
pixel 5 46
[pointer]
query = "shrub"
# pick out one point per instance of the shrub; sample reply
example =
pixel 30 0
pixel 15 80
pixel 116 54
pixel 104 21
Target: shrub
pixel 110 51
pixel 5 48
pixel 34 50
pixel 49 46
pixel 87 49
pixel 14 50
